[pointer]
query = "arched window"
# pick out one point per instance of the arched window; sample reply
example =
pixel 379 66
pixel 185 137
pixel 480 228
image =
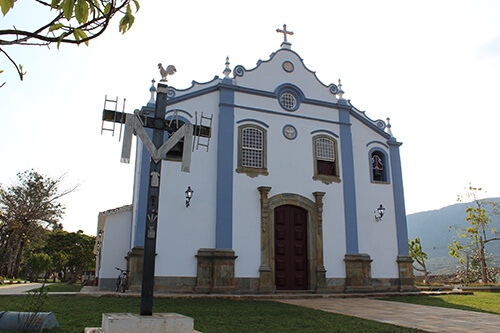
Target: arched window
pixel 252 158
pixel 379 166
pixel 326 166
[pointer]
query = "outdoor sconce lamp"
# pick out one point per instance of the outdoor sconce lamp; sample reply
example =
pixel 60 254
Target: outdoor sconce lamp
pixel 379 213
pixel 189 194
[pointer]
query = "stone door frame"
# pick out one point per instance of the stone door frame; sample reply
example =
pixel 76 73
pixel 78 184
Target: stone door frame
pixel 317 279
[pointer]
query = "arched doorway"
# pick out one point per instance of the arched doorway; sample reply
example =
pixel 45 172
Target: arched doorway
pixel 291 250
pixel 311 213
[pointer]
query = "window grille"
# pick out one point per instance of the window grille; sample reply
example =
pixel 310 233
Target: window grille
pixel 325 150
pixel 252 148
pixel 288 101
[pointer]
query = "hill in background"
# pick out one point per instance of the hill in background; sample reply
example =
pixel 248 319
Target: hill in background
pixel 432 229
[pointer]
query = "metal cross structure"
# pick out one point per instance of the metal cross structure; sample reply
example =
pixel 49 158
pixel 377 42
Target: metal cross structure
pixel 284 32
pixel 157 149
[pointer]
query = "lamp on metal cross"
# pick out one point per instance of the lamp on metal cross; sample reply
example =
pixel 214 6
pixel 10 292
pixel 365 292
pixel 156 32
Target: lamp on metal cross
pixel 189 194
pixel 379 213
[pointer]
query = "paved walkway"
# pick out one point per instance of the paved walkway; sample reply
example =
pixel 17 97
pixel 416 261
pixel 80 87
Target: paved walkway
pixel 16 289
pixel 427 318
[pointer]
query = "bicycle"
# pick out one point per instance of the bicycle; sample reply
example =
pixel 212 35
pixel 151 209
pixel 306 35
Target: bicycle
pixel 121 281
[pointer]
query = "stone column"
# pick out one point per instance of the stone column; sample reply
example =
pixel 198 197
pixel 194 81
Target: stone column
pixel 215 271
pixel 266 280
pixel 135 257
pixel 358 275
pixel 405 267
pixel 318 235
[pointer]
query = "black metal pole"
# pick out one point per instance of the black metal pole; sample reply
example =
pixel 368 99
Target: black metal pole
pixel 148 272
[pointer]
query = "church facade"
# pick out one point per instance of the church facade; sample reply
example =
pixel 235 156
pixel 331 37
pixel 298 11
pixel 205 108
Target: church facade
pixel 297 190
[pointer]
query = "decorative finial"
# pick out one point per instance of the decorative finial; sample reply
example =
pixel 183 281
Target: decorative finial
pixel 340 93
pixel 388 126
pixel 152 90
pixel 169 71
pixel 227 70
pixel 285 32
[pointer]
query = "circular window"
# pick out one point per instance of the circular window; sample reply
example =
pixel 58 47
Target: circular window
pixel 288 101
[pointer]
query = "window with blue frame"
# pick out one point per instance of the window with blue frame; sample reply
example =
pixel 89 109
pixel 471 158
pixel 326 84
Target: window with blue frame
pixel 379 166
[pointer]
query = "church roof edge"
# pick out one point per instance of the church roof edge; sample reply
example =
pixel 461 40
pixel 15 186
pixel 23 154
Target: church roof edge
pixel 240 69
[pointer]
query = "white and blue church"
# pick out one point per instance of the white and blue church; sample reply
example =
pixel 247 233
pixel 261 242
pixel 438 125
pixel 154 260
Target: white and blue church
pixel 298 190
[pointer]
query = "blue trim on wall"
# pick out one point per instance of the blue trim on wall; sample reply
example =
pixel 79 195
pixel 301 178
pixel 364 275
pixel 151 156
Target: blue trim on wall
pixel 282 113
pixel 225 145
pixel 240 70
pixel 385 162
pixel 399 199
pixel 379 142
pixel 351 220
pixel 325 131
pixel 253 120
pixel 179 111
pixel 180 118
pixel 284 133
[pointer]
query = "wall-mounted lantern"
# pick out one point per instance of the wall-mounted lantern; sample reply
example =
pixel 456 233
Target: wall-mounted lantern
pixel 189 194
pixel 379 213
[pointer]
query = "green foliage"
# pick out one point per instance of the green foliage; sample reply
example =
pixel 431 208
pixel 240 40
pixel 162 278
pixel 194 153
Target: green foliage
pixel 75 21
pixel 6 5
pixel 418 255
pixel 473 273
pixel 480 215
pixel 27 209
pixel 73 252
pixel 38 263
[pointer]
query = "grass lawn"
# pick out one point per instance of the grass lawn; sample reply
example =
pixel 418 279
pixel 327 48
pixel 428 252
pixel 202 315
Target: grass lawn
pixel 480 301
pixel 74 313
pixel 61 287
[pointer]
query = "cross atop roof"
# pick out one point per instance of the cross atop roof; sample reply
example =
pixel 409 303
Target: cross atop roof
pixel 284 32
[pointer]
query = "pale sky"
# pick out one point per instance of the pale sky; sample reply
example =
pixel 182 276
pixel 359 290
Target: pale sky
pixel 433 67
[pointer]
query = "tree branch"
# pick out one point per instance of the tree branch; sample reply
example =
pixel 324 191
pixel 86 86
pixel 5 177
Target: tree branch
pixel 21 75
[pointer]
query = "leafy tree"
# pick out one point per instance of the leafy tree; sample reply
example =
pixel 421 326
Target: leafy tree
pixel 71 22
pixel 419 256
pixel 38 263
pixel 27 208
pixel 77 249
pixel 59 262
pixel 481 216
pixel 473 269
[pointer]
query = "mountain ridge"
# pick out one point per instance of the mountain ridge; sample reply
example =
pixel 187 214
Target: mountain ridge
pixel 437 228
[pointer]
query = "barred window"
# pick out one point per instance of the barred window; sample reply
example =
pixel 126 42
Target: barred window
pixel 325 150
pixel 326 167
pixel 252 148
pixel 288 101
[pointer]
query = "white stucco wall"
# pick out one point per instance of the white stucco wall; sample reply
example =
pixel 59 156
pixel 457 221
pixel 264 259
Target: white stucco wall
pixel 291 167
pixel 182 231
pixel 115 245
pixel 378 239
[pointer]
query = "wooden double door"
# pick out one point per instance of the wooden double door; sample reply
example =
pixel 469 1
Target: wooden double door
pixel 290 239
